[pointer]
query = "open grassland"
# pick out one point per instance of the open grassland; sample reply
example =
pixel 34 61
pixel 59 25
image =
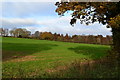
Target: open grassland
pixel 34 58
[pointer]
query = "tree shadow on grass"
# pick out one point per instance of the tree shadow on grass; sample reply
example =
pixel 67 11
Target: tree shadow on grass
pixel 9 50
pixel 92 52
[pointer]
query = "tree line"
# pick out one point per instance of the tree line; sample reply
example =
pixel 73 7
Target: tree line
pixel 24 33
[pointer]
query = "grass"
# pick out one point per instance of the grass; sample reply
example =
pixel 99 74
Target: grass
pixel 34 58
pixel 102 68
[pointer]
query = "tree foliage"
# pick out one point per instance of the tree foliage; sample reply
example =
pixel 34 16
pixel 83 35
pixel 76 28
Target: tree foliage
pixel 90 12
pixel 4 32
pixel 19 32
pixel 37 34
pixel 46 36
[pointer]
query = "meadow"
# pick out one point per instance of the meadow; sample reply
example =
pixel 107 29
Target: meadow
pixel 30 58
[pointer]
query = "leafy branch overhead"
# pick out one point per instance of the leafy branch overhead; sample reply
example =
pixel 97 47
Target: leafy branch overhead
pixel 90 12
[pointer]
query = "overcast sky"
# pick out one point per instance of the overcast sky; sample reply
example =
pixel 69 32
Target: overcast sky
pixel 41 16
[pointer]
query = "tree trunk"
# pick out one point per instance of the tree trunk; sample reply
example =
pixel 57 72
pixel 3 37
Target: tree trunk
pixel 116 39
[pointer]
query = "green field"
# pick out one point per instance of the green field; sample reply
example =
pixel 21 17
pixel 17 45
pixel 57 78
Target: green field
pixel 33 58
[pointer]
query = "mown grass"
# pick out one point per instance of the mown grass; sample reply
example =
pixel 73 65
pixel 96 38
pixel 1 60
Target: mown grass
pixel 35 58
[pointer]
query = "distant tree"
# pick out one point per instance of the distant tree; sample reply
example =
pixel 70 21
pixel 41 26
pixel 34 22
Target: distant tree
pixel 75 38
pixel 25 33
pixel 19 32
pixel 47 36
pixel 82 38
pixel 12 32
pixel 66 37
pixel 62 37
pixel 58 37
pixel 37 34
pixel 58 34
pixel 4 32
pixel 99 37
pixel 90 39
pixel 55 36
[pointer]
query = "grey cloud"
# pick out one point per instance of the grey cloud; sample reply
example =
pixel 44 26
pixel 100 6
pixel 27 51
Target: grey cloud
pixel 17 22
